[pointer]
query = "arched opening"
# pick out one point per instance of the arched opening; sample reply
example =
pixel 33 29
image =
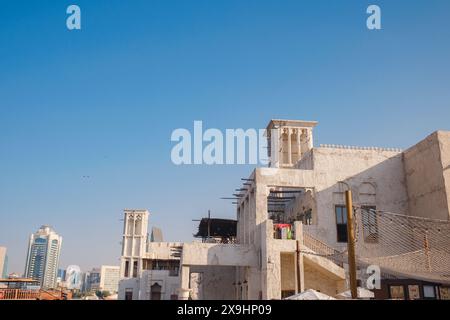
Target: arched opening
pixel 155 292
pixel 285 147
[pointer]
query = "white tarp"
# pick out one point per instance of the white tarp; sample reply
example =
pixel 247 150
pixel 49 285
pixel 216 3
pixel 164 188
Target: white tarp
pixel 363 293
pixel 310 294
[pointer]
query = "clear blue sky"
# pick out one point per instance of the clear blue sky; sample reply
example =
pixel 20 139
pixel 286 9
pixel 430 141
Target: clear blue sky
pixel 103 101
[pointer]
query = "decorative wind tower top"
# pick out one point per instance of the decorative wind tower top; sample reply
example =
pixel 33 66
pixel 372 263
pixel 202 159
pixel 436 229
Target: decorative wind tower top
pixel 288 141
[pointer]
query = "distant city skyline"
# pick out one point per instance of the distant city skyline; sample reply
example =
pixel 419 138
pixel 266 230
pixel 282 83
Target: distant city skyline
pixel 86 116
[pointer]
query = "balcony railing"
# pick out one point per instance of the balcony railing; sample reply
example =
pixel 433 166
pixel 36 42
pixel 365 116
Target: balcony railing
pixel 321 248
pixel 18 294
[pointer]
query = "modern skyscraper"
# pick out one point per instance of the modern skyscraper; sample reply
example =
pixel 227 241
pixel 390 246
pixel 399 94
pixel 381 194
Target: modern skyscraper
pixel 73 278
pixel 61 275
pixel 93 280
pixel 3 263
pixel 109 278
pixel 42 262
pixel 105 278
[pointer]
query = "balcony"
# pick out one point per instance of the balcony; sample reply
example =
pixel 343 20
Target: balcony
pixel 18 294
pixel 283 231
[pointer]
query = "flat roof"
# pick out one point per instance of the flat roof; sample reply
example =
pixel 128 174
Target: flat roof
pixel 18 280
pixel 291 123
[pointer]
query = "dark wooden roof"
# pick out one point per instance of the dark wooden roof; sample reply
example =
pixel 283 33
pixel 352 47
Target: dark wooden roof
pixel 217 228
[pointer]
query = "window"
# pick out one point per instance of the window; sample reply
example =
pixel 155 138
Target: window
pixel 129 294
pixel 135 269
pixel 413 292
pixel 370 223
pixel 308 217
pixel 445 293
pixel 172 266
pixel 155 291
pixel 127 268
pixel 341 223
pixel 429 292
pixel 397 292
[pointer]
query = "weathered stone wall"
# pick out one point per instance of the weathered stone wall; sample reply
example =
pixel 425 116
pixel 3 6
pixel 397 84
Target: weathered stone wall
pixel 161 250
pixel 381 170
pixel 314 279
pixel 377 169
pixel 141 287
pixel 216 282
pixel 301 204
pixel 202 254
pixel 427 176
pixel 131 284
pixel 288 271
pixel 169 284
pixel 444 139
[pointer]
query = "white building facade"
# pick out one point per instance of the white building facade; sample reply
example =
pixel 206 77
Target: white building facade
pixel 105 278
pixel 109 278
pixel 286 214
pixel 149 270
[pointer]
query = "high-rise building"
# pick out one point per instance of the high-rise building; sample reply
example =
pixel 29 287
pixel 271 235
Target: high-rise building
pixel 3 263
pixel 73 278
pixel 109 278
pixel 44 249
pixel 105 278
pixel 85 284
pixel 61 277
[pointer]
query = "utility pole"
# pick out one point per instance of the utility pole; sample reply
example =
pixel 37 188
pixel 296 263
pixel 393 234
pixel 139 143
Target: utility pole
pixel 209 224
pixel 351 244
pixel 426 245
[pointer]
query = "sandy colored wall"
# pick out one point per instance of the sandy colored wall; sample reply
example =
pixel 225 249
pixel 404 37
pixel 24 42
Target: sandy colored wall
pixel 316 280
pixel 428 177
pixel 383 169
pixel 219 255
pixel 161 250
pixel 216 282
pixel 444 140
pixel 288 271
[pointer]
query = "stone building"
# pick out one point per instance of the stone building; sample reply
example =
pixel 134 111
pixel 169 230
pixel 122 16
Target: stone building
pixel 287 213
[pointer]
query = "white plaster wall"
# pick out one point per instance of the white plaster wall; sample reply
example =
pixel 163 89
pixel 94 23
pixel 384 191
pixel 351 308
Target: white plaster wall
pixel 288 271
pixel 301 204
pixel 125 284
pixel 306 162
pixel 428 177
pixel 169 284
pixel 444 141
pixel 324 169
pixel 271 250
pixel 161 250
pixel 382 168
pixel 142 286
pixel 314 279
pixel 216 282
pixel 219 254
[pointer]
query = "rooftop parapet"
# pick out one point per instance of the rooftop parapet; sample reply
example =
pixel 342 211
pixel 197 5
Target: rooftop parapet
pixel 337 146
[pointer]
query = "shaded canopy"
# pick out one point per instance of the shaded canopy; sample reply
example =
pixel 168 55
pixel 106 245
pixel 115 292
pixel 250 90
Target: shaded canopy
pixel 217 228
